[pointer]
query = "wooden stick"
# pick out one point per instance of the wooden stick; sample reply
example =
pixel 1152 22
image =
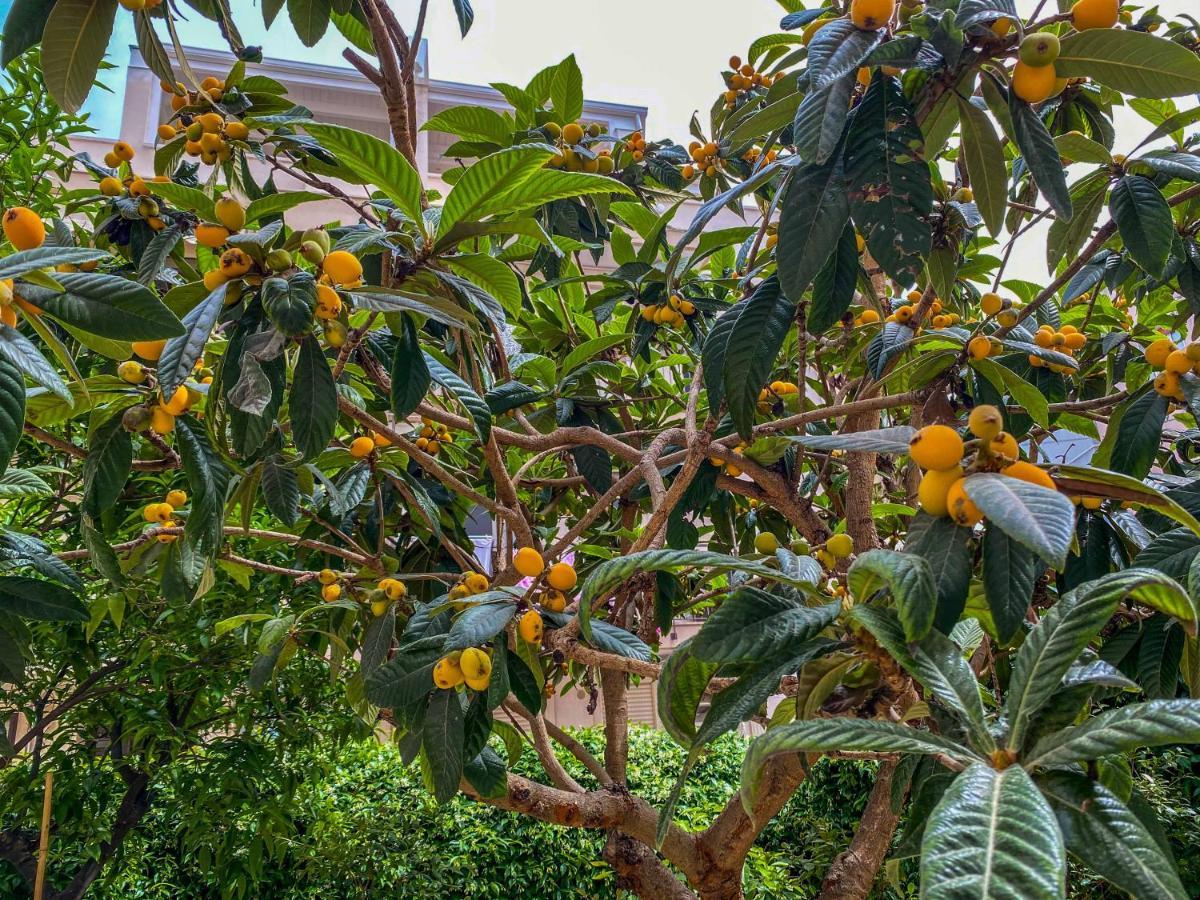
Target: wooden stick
pixel 39 884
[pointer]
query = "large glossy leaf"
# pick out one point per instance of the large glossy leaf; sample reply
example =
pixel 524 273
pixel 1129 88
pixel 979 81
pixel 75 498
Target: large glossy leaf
pixel 179 356
pixel 479 192
pixel 837 50
pixel 108 306
pixel 31 598
pixel 1132 62
pixel 1137 434
pixel 891 195
pixel 992 835
pixel 23 27
pixel 1086 478
pixel 1056 642
pixel 107 467
pixel 442 742
pixel 24 261
pixel 373 162
pixel 73 44
pixel 478 623
pixel 313 400
pixel 1144 221
pixel 878 440
pixel 818 735
pixel 944 545
pixel 410 375
pixel 208 479
pixel 1041 156
pixel 681 686
pixel 713 354
pixel 12 411
pixel 1120 730
pixel 909 580
pixel 1039 518
pixel 754 343
pixel 1009 573
pixel 821 120
pixel 813 213
pixel 986 164
pixel 1108 838
pixel 751 624
pixel 281 490
pixel 938 663
pixel 833 288
pixel 310 19
pixel 20 352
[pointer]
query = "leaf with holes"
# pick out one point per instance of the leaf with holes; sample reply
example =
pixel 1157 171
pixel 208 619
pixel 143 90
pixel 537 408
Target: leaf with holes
pixel 891 196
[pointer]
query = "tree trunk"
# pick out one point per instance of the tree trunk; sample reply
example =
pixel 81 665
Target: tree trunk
pixel 853 872
pixel 639 870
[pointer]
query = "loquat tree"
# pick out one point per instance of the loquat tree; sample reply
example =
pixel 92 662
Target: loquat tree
pixel 238 457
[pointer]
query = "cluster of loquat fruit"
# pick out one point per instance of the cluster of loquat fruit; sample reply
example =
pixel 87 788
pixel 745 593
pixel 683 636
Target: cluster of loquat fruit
pixel 754 154
pixel 1034 77
pixel 731 469
pixel 209 135
pixel 432 435
pixel 776 390
pixel 706 158
pixel 938 449
pixel 903 314
pixel 1165 355
pixel 742 78
pixel 568 138
pixel 674 312
pixel 162 514
pixel 1066 339
pixel 364 445
pixel 635 144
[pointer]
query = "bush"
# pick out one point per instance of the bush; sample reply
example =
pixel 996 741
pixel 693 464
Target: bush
pixel 361 824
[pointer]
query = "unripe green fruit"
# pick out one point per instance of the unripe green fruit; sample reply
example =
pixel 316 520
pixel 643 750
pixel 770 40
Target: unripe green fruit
pixel 194 131
pixel 320 237
pixel 1040 49
pixel 593 130
pixel 147 208
pixel 136 419
pixel 552 129
pixel 313 252
pixel 279 260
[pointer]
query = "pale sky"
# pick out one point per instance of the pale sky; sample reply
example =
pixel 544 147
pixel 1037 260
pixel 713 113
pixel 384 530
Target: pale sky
pixel 666 55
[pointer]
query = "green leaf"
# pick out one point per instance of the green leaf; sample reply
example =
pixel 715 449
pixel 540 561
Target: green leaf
pixel 402 680
pixel 833 288
pixel 1144 221
pixel 891 196
pixel 813 213
pixel 480 190
pixel 611 572
pixel 878 440
pixel 313 402
pixel 944 545
pixel 938 663
pixel 107 466
pixel 1066 239
pixel 1058 639
pixel 19 352
pixel 310 18
pixel 909 580
pixel 754 343
pixel 992 835
pixel 1108 838
pixel 12 411
pixel 818 735
pixel 25 261
pixel 680 688
pixel 1116 731
pixel 73 45
pixel 185 197
pixel 486 773
pixel 566 90
pixel 492 276
pixel 1131 489
pixel 1009 573
pixel 281 490
pixel 838 49
pixel 442 741
pixel 1137 433
pixel 751 624
pixel 377 640
pixel 290 303
pixel 1041 155
pixel 1132 62
pixel 736 703
pixel 983 154
pixel 179 356
pixel 713 355
pixel 108 306
pixel 274 204
pixel 410 376
pixel 23 27
pixel 31 598
pixel 477 624
pixel 466 16
pixel 373 161
pixel 524 683
pixel 479 411
pixel 208 480
pixel 1006 381
pixel 1039 518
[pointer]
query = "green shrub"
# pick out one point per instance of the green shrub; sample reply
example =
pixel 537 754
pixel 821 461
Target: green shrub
pixel 360 824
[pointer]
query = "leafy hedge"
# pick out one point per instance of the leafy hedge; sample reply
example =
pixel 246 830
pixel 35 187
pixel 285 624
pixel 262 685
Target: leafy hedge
pixel 362 825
